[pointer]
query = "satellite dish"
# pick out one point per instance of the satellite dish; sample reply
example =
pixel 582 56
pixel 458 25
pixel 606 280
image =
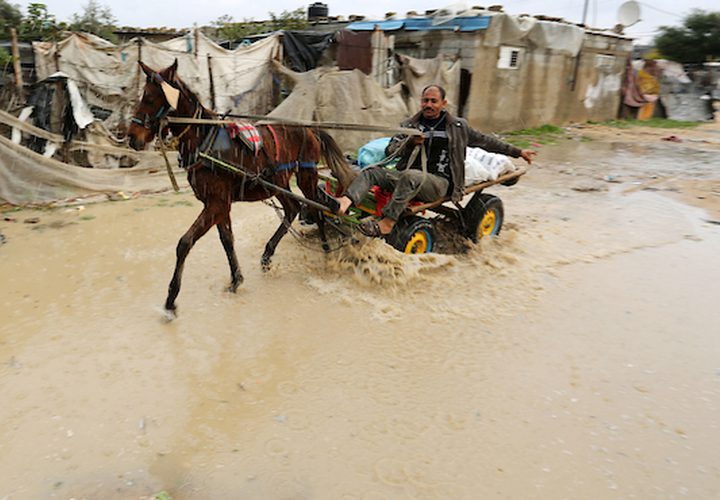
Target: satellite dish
pixel 628 13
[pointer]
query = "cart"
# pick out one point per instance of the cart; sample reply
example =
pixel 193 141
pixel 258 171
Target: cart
pixel 482 216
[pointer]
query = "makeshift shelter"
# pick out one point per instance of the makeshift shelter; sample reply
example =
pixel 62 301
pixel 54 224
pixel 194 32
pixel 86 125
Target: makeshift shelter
pixel 237 81
pixel 518 71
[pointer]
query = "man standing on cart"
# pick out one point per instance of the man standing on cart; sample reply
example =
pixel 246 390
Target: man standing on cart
pixel 444 139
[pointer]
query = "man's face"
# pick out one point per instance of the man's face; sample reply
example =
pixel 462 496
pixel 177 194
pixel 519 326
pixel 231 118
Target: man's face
pixel 432 103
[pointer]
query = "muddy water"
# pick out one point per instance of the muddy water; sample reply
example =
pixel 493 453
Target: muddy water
pixel 576 356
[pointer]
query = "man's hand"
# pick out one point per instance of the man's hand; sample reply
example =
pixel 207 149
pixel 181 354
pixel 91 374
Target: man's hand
pixel 418 139
pixel 528 155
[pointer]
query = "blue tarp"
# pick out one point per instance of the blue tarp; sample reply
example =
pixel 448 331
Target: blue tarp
pixel 474 23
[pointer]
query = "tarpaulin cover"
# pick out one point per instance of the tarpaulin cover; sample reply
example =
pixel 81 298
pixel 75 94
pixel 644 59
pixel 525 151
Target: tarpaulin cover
pixel 459 23
pixel 512 30
pixel 417 74
pixel 302 50
pixel 109 77
pixel 327 95
pixel 29 177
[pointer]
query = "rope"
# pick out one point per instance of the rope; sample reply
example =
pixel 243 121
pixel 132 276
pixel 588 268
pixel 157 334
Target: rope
pixel 303 239
pixel 173 181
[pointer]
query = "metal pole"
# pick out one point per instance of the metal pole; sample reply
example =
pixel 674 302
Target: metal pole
pixel 585 9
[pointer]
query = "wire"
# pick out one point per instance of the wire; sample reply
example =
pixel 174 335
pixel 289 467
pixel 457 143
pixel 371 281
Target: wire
pixel 660 10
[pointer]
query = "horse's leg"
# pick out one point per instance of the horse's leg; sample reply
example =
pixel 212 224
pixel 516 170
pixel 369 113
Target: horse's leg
pixel 307 179
pixel 226 237
pixel 291 209
pixel 201 225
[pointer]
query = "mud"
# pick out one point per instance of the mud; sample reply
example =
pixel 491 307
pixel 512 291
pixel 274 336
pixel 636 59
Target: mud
pixel 575 356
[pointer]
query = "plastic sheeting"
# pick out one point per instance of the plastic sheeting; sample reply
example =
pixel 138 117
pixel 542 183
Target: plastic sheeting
pixel 512 30
pixel 27 177
pixel 109 77
pixel 302 50
pixel 343 97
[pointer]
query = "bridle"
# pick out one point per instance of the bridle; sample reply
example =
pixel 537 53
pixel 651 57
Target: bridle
pixel 152 123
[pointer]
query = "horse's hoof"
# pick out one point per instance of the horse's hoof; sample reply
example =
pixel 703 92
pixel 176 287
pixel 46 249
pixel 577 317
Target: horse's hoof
pixel 170 314
pixel 265 264
pixel 234 286
pixel 326 248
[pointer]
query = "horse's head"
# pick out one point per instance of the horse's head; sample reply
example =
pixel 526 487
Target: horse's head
pixel 160 96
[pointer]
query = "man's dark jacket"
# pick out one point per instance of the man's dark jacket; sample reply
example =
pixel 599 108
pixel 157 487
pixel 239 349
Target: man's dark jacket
pixel 460 136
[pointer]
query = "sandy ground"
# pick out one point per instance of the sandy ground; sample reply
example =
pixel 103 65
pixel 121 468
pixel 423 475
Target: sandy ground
pixel 575 356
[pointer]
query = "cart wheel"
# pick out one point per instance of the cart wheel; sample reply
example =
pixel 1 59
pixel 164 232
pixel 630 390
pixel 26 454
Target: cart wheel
pixel 412 234
pixel 483 216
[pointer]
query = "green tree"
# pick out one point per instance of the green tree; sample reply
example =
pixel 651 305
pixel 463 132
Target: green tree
pixel 226 28
pixel 38 24
pixel 96 19
pixel 696 41
pixel 5 59
pixel 295 20
pixel 10 17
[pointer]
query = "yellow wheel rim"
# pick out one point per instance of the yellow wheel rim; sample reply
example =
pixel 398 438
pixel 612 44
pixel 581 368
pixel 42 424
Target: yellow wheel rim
pixel 487 224
pixel 418 243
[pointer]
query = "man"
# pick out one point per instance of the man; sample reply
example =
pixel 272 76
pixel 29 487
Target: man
pixel 445 139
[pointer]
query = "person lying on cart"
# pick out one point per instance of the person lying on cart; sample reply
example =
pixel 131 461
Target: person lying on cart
pixel 445 139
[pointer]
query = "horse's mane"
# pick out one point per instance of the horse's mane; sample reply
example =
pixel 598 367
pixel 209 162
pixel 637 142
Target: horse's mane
pixel 185 90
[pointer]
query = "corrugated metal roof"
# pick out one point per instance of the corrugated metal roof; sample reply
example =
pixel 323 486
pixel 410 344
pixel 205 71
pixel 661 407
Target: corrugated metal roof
pixel 474 23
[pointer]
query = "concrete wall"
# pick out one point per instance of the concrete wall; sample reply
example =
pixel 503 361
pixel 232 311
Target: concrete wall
pixel 541 89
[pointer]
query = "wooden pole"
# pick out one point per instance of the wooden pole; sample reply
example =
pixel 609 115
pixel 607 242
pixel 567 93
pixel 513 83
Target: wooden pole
pixel 212 83
pixel 17 68
pixel 139 76
pixel 56 56
pixel 197 38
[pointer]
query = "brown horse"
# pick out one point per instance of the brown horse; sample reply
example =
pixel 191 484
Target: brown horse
pixel 285 150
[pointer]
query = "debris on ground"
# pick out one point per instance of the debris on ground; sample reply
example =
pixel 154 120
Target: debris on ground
pixel 588 187
pixel 672 138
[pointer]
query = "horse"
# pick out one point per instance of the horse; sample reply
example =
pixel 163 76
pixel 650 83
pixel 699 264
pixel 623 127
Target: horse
pixel 260 172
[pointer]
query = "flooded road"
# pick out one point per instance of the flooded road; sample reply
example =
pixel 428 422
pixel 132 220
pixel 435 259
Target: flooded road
pixel 575 356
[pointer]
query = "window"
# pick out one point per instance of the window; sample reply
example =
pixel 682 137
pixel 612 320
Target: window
pixel 509 57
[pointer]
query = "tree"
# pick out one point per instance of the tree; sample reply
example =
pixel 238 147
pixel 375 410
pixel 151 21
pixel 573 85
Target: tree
pixel 288 20
pixel 295 20
pixel 96 19
pixel 696 41
pixel 10 17
pixel 38 24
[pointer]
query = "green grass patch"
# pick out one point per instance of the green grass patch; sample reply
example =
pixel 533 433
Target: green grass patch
pixel 87 217
pixel 652 122
pixel 541 130
pixel 528 137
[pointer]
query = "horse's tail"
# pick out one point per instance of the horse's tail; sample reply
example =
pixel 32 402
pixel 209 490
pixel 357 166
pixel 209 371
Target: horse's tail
pixel 334 158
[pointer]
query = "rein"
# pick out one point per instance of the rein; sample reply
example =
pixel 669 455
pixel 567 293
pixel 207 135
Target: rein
pixel 264 120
